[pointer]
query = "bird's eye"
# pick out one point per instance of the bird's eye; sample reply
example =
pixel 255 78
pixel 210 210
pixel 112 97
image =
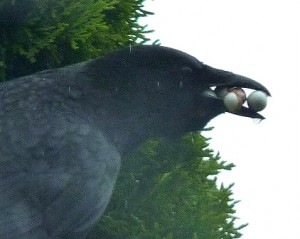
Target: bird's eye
pixel 185 76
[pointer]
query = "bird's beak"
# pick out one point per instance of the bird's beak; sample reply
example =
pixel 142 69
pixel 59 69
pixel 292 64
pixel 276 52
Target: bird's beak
pixel 226 79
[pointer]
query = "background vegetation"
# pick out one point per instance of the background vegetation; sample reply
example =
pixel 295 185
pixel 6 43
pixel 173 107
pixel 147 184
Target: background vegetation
pixel 42 34
pixel 165 190
pixel 169 190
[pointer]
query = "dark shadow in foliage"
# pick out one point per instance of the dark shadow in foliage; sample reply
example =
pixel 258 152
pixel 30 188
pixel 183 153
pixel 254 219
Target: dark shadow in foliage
pixel 37 35
pixel 14 13
pixel 169 191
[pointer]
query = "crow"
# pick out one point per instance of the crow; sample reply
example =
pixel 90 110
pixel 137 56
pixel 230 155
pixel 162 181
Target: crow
pixel 63 132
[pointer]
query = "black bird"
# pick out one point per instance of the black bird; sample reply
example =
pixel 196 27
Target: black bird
pixel 63 132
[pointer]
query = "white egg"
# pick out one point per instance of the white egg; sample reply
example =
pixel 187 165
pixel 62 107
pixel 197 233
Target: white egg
pixel 241 94
pixel 257 100
pixel 232 102
pixel 221 92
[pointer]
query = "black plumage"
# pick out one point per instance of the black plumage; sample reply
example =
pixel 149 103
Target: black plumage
pixel 63 132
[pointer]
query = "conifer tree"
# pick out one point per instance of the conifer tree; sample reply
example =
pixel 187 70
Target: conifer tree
pixel 169 190
pixel 42 34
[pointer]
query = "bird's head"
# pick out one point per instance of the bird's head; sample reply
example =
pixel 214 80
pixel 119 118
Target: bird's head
pixel 167 87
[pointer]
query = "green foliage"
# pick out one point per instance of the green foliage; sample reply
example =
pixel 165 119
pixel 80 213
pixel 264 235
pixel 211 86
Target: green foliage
pixel 53 33
pixel 169 190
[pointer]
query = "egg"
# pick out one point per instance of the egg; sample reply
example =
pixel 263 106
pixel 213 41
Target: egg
pixel 233 97
pixel 221 92
pixel 257 100
pixel 240 93
pixel 232 102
